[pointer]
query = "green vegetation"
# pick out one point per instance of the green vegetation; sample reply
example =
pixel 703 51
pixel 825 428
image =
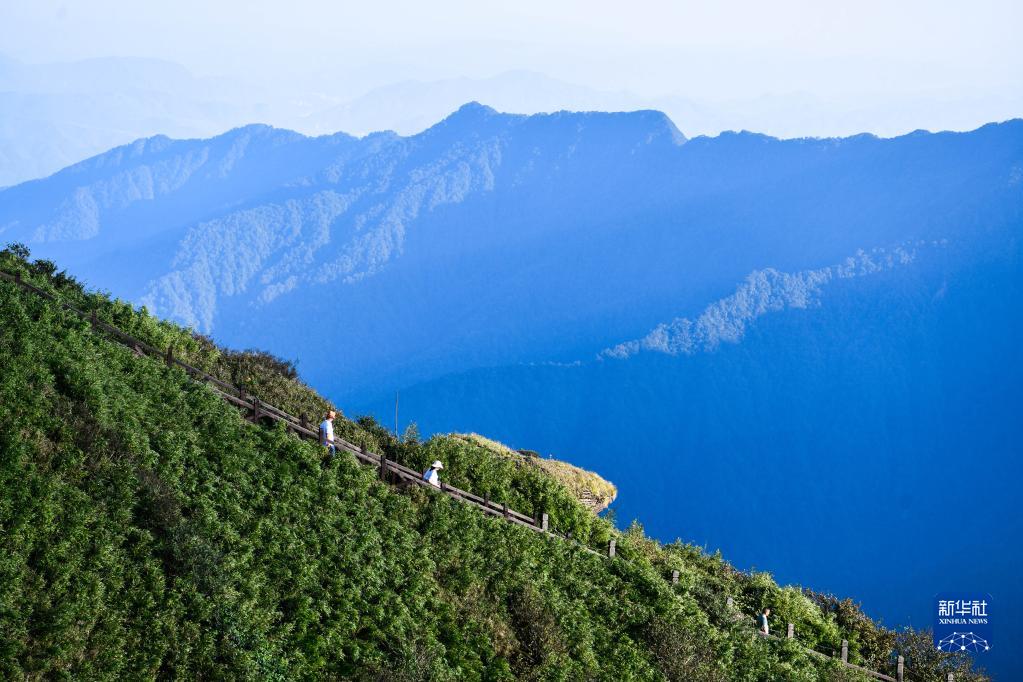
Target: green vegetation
pixel 588 487
pixel 147 530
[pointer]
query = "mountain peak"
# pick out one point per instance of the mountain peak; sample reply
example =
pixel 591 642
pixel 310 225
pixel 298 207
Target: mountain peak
pixel 470 116
pixel 471 112
pixel 474 108
pixel 650 121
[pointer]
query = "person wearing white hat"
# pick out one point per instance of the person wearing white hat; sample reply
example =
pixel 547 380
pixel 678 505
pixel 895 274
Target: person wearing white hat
pixel 431 476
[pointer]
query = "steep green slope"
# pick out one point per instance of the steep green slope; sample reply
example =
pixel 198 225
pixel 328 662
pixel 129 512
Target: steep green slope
pixel 147 530
pixel 589 488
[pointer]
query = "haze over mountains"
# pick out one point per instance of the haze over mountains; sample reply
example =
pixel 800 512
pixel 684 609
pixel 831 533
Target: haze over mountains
pixel 56 114
pixel 819 334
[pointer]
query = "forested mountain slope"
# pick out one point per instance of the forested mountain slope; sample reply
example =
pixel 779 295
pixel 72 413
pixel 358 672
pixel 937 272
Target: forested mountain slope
pixel 149 531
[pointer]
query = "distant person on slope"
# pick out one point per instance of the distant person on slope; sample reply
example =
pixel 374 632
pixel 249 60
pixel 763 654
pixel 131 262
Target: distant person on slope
pixel 762 620
pixel 327 433
pixel 431 476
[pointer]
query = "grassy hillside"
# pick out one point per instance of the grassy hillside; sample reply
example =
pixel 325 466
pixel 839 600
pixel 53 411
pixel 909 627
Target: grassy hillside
pixel 147 530
pixel 589 488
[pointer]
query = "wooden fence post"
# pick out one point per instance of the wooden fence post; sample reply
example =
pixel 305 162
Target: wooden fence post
pixel 674 577
pixel 544 522
pixel 504 508
pixel 845 651
pixel 94 320
pixel 17 278
pixel 383 467
pixel 791 632
pixel 255 410
pixel 611 548
pixel 900 670
pixel 170 355
pixel 303 419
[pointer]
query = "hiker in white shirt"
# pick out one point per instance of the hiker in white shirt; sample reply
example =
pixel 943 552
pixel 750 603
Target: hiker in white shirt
pixel 327 433
pixel 763 628
pixel 431 476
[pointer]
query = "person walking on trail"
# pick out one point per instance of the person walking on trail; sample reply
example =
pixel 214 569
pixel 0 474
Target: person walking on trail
pixel 431 476
pixel 327 433
pixel 763 627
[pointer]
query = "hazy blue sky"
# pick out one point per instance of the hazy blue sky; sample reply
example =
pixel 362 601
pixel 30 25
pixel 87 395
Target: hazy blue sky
pixel 872 65
pixel 649 47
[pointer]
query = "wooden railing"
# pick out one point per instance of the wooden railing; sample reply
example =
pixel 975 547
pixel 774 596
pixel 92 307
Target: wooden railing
pixel 258 412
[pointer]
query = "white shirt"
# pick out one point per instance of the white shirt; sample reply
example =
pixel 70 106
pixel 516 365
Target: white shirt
pixel 431 477
pixel 326 432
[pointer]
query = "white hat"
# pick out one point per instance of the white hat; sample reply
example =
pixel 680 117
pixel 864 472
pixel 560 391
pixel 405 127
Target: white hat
pixel 436 464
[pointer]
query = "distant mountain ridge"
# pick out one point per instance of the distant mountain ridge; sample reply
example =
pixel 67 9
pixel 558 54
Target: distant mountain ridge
pixel 56 114
pixel 251 233
pixel 762 292
pixel 243 219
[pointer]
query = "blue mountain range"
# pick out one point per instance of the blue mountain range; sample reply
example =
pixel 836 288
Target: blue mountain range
pixel 819 337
